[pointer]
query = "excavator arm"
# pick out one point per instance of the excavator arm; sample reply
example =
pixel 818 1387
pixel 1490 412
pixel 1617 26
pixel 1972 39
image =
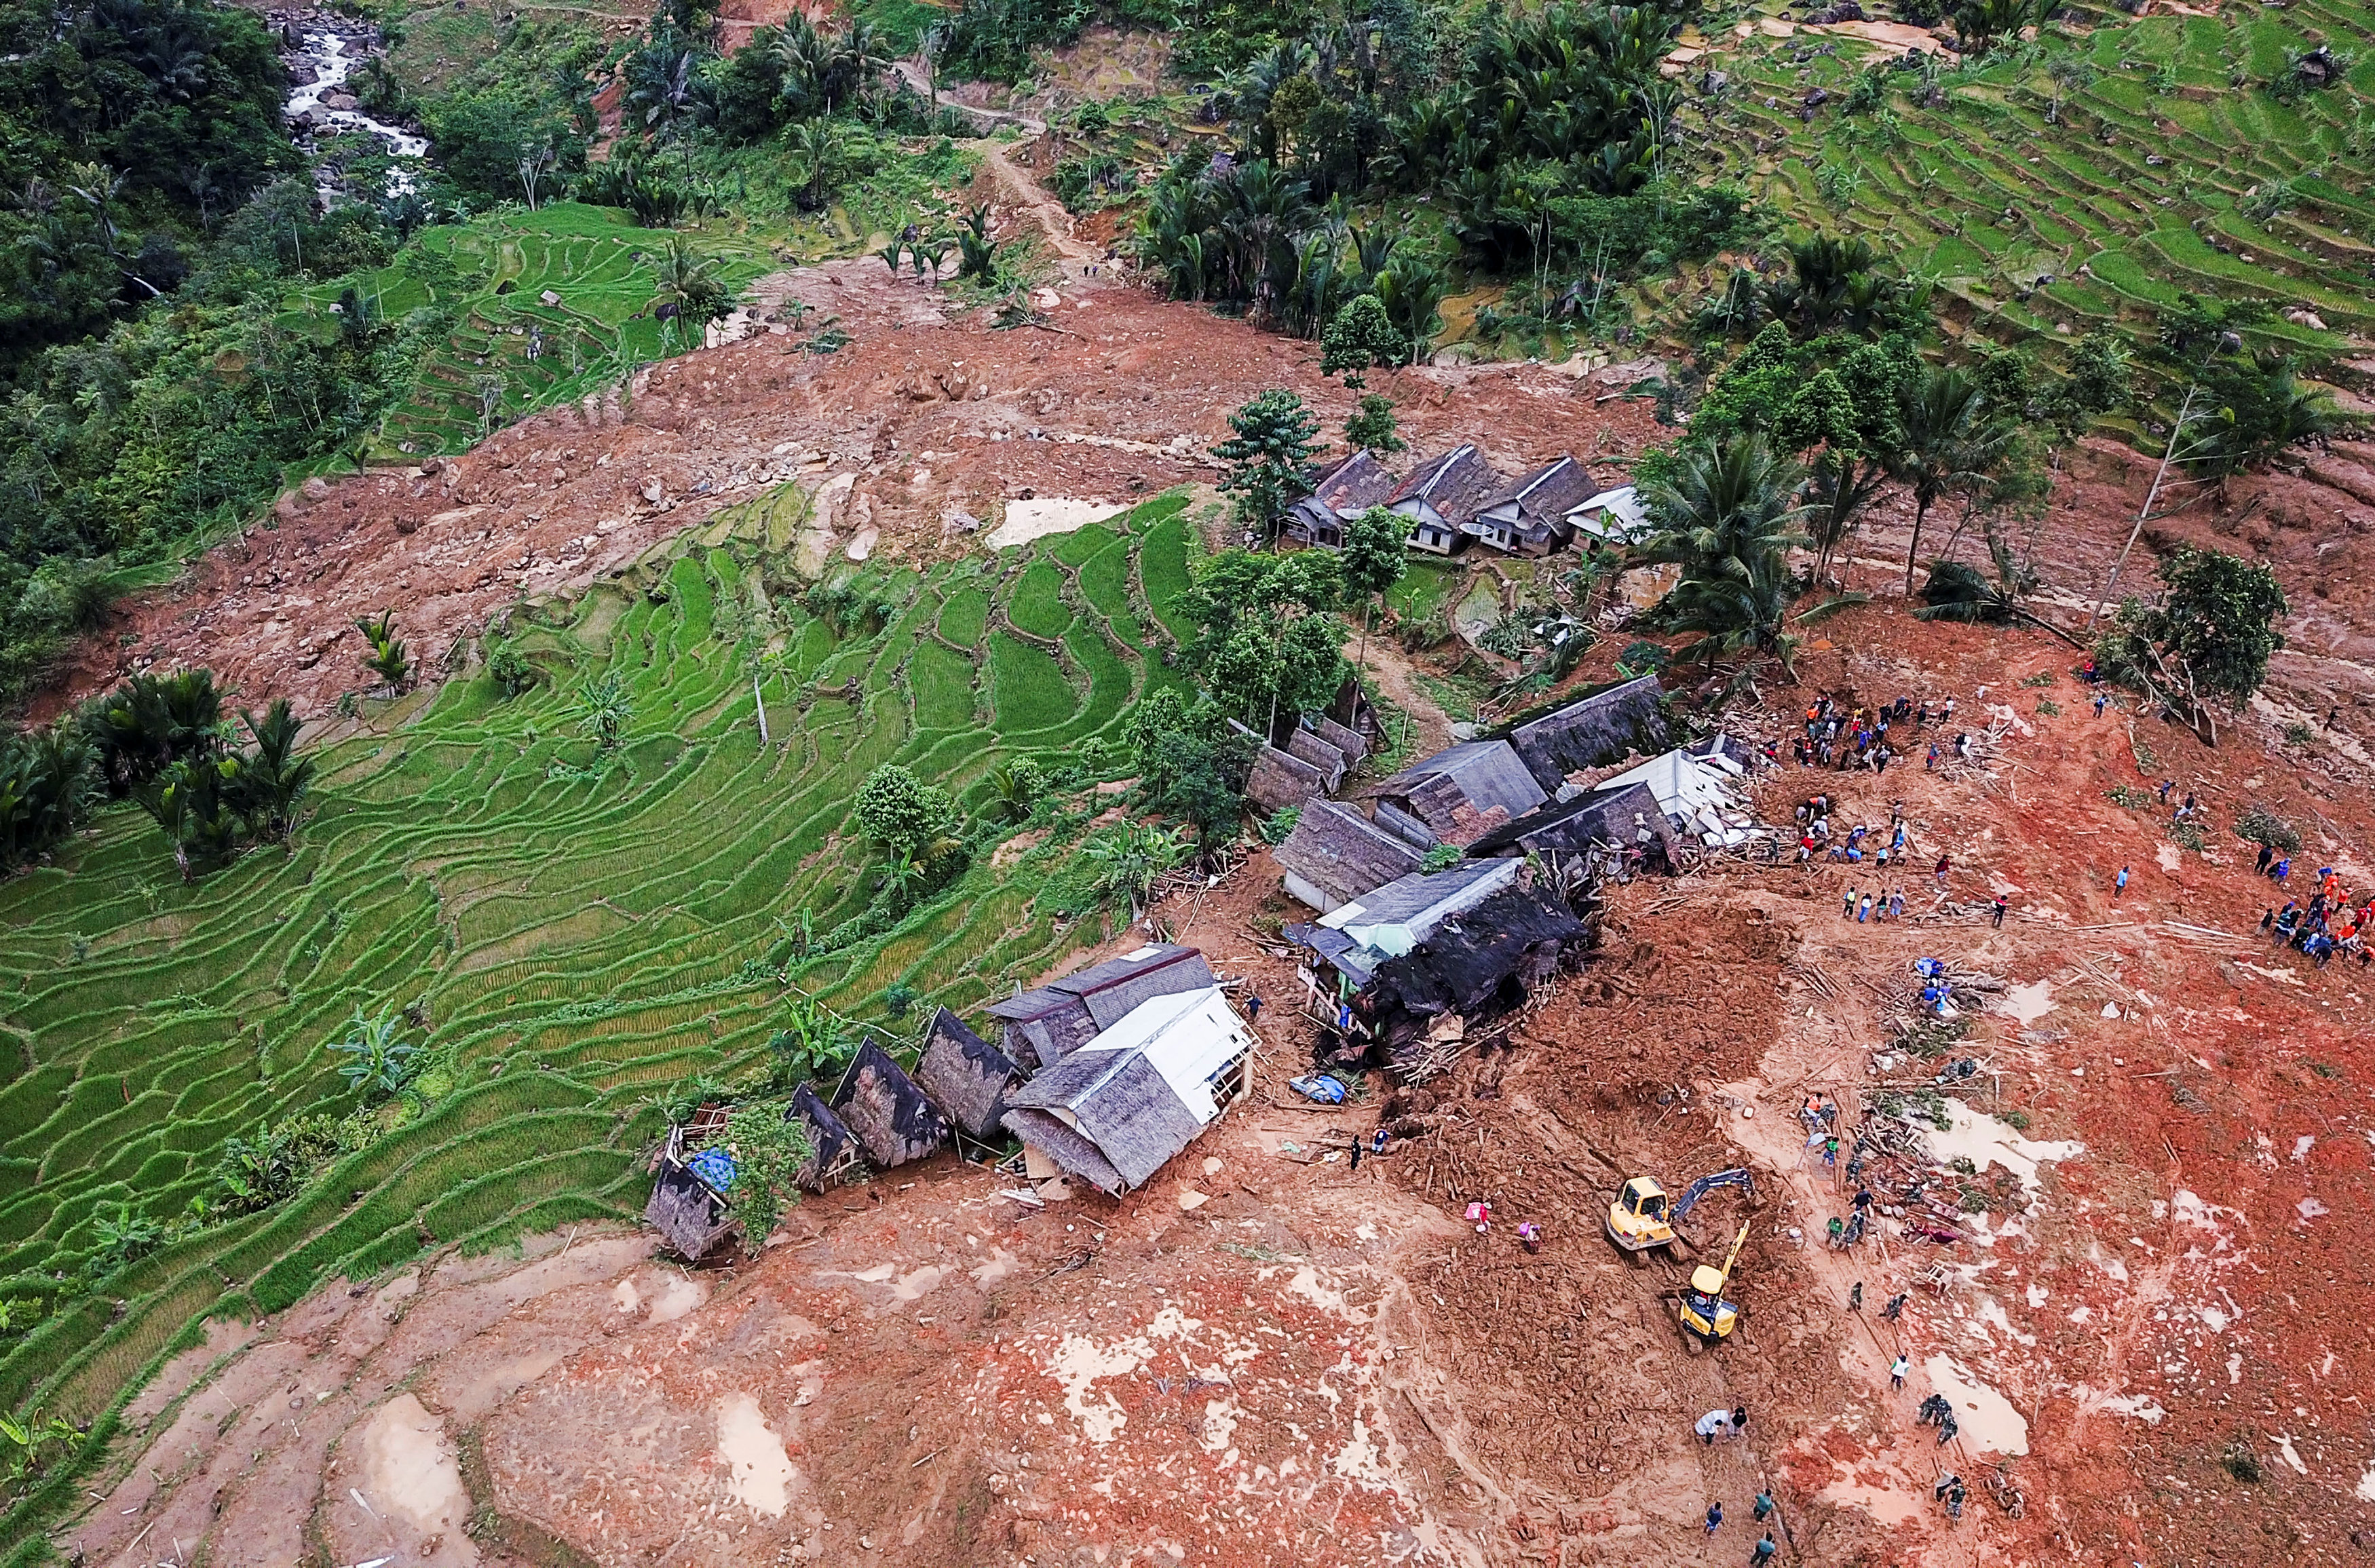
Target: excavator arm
pixel 1738 1176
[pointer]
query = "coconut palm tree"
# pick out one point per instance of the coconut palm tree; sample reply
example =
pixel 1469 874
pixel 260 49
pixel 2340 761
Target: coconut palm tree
pixel 270 785
pixel 1729 515
pixel 1950 441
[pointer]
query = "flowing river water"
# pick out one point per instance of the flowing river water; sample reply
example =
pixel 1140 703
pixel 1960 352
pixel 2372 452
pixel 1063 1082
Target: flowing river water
pixel 326 53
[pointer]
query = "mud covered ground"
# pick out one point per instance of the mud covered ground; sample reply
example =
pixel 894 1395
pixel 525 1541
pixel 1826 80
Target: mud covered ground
pixel 1267 1357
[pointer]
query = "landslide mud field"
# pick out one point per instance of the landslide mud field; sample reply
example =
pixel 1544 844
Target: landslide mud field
pixel 1267 1357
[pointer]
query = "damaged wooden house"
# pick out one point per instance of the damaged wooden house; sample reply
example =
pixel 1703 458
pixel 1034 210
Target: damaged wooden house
pixel 689 1205
pixel 1113 1112
pixel 1421 961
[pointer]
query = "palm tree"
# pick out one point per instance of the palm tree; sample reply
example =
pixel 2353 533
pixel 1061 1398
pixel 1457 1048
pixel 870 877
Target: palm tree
pixel 689 282
pixel 272 780
pixel 1950 441
pixel 1729 515
pixel 816 143
pixel 387 658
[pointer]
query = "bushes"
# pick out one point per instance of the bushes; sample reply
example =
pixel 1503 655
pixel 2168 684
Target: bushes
pixel 2259 825
pixel 903 814
pixel 46 782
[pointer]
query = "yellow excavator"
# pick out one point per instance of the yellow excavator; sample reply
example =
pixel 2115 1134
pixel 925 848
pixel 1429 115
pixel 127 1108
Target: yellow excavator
pixel 1707 1317
pixel 1642 1218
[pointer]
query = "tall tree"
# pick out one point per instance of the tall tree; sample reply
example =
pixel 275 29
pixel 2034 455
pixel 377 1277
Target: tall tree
pixel 1376 557
pixel 1266 456
pixel 1728 515
pixel 1950 439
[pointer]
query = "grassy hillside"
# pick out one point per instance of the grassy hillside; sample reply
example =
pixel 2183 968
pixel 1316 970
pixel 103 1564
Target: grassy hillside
pixel 490 277
pixel 2090 177
pixel 570 937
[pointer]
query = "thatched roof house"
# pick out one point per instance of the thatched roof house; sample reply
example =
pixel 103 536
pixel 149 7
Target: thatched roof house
pixel 1340 492
pixel 1116 1111
pixel 836 1152
pixel 1456 793
pixel 1335 855
pixel 1600 728
pixel 892 1119
pixel 1530 515
pixel 964 1075
pixel 1048 1023
pixel 1441 494
pixel 685 1209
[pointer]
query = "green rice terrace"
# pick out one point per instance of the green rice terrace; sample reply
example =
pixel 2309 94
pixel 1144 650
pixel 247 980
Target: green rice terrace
pixel 509 352
pixel 566 933
pixel 2090 178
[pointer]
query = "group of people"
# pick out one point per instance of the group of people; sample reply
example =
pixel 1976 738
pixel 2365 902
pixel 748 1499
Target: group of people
pixel 1843 739
pixel 1724 1423
pixel 2329 923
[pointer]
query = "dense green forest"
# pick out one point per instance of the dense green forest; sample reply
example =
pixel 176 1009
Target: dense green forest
pixel 189 321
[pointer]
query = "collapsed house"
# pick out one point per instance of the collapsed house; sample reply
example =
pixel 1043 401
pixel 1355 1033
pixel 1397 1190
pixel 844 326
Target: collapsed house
pixel 1688 796
pixel 1335 855
pixel 1049 1022
pixel 688 1206
pixel 685 1208
pixel 1104 1076
pixel 1114 1112
pixel 1392 920
pixel 1476 787
pixel 1475 941
pixel 965 1076
pixel 1626 817
pixel 1459 793
pixel 1614 518
pixel 1697 787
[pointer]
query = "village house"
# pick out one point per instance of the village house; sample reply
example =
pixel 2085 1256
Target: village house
pixel 1340 492
pixel 1113 1113
pixel 1441 495
pixel 1456 793
pixel 1049 1022
pixel 1531 515
pixel 1335 855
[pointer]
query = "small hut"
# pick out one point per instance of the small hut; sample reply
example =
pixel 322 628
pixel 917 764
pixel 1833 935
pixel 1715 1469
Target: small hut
pixel 890 1117
pixel 683 1207
pixel 836 1156
pixel 965 1076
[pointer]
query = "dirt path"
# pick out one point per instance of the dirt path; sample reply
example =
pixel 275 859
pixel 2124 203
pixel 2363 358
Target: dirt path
pixel 1397 680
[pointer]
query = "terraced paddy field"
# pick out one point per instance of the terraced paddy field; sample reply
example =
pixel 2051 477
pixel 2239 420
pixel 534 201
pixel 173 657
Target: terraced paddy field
pixel 506 344
pixel 569 935
pixel 2088 178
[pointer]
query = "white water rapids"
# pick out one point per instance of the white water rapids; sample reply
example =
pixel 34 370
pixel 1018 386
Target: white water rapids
pixel 332 64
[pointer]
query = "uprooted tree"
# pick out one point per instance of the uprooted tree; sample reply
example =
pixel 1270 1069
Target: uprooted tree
pixel 2205 643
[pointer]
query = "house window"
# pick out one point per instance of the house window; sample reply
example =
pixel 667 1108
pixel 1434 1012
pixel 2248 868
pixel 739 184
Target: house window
pixel 1228 1081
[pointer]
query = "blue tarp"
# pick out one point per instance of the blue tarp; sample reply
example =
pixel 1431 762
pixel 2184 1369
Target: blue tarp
pixel 1319 1087
pixel 714 1166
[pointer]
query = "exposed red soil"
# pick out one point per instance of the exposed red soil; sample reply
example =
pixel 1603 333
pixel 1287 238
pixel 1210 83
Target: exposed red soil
pixel 925 415
pixel 1275 1357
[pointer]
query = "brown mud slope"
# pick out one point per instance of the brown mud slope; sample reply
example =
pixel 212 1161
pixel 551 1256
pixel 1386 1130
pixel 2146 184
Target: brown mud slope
pixel 1267 1357
pixel 926 424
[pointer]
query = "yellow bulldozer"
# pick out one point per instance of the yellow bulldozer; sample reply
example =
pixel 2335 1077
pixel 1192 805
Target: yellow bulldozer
pixel 1642 1218
pixel 1707 1317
